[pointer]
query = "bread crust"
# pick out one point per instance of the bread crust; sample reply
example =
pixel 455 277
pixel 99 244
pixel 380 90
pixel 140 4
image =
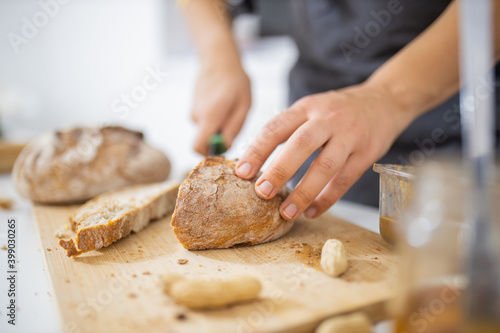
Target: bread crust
pixel 217 209
pixel 76 164
pixel 122 212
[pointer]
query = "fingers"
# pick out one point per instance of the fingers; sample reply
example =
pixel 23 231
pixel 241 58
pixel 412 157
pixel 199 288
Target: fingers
pixel 205 131
pixel 301 144
pixel 275 132
pixel 209 122
pixel 354 168
pixel 328 163
pixel 233 125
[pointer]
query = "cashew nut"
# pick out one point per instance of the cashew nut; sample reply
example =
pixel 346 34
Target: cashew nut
pixel 333 257
pixel 204 294
pixel 352 323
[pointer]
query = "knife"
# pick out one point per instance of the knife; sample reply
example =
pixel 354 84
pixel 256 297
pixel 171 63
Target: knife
pixel 216 145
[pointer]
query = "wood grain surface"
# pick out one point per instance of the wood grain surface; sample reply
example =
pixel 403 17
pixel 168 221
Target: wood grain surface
pixel 8 154
pixel 117 289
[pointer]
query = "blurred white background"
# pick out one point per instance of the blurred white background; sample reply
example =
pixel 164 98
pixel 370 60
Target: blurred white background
pixel 82 56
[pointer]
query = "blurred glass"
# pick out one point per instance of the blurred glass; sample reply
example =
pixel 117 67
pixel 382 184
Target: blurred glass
pixel 433 246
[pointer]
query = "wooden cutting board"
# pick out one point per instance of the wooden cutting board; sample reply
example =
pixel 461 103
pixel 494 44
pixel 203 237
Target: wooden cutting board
pixel 117 289
pixel 8 154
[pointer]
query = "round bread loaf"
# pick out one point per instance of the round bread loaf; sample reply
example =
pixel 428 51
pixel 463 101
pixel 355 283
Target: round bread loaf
pixel 217 209
pixel 77 164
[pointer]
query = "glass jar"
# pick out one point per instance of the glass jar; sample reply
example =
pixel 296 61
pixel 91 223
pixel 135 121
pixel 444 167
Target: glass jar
pixel 395 192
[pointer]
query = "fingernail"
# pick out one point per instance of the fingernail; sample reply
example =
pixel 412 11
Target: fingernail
pixel 290 210
pixel 244 170
pixel 265 188
pixel 311 212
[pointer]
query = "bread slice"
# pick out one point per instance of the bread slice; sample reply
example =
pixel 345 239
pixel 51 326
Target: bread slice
pixel 217 209
pixel 114 215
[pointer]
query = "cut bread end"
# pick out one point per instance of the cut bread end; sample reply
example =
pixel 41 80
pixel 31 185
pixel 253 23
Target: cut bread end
pixel 114 215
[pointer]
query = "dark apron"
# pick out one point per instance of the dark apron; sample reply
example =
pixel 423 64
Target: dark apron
pixel 341 43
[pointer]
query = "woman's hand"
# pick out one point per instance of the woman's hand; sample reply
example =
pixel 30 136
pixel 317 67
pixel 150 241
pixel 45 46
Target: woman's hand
pixel 354 126
pixel 221 102
pixel 222 97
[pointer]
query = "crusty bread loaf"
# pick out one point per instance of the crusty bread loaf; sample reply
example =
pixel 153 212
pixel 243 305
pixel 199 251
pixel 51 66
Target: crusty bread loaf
pixel 114 215
pixel 77 164
pixel 217 209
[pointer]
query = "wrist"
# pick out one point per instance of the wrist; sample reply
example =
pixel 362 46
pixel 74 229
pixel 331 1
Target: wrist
pixel 221 61
pixel 220 53
pixel 405 101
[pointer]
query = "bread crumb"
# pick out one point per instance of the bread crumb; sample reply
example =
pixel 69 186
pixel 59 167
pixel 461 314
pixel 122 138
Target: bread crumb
pixel 378 249
pixel 6 203
pixel 63 232
pixel 132 295
pixel 49 249
pixel 180 316
pixel 146 273
pixel 134 275
pixel 4 247
pixel 182 261
pixel 112 275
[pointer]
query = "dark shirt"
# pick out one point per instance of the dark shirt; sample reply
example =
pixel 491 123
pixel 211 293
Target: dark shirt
pixel 342 42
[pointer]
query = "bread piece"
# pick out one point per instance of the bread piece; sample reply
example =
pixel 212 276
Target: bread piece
pixel 114 215
pixel 77 164
pixel 217 209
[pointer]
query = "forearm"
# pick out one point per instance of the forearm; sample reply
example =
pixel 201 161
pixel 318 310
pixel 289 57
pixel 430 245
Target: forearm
pixel 210 28
pixel 425 73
